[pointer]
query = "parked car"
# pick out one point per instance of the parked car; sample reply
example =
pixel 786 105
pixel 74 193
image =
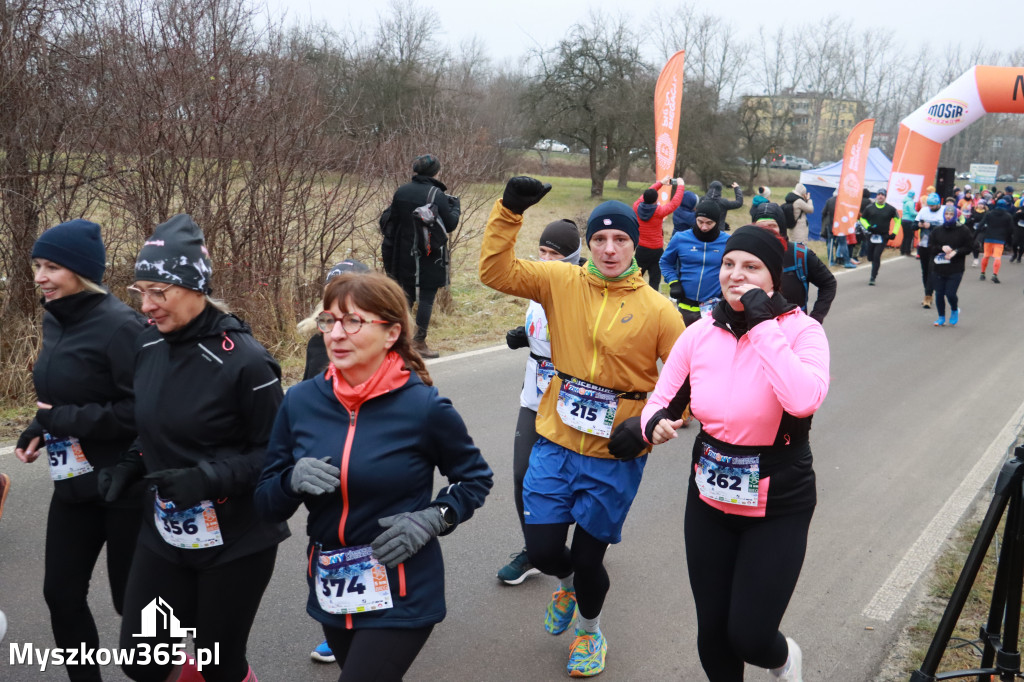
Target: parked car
pixel 963 176
pixel 1020 178
pixel 1005 177
pixel 791 162
pixel 551 146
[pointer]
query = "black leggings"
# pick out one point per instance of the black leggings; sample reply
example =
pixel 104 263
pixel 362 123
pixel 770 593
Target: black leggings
pixel 545 545
pixel 946 287
pixel 375 655
pixel 742 574
pixel 522 446
pixel 220 602
pixel 876 251
pixel 926 269
pixel 75 534
pixel 425 310
pixel 649 261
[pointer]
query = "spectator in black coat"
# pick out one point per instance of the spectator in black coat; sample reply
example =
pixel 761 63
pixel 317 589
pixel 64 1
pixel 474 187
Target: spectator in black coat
pixel 715 193
pixel 418 259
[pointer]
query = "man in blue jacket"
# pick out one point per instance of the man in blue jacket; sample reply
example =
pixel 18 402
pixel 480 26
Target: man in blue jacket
pixel 692 260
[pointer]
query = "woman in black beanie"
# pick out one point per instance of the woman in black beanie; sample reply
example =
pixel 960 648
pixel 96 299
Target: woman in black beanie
pixel 83 382
pixel 207 393
pixel 753 373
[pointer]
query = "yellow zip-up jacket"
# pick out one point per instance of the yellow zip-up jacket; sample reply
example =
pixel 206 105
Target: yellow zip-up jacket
pixel 607 333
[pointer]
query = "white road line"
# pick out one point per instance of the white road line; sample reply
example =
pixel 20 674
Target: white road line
pixel 890 595
pixel 467 354
pixel 6 450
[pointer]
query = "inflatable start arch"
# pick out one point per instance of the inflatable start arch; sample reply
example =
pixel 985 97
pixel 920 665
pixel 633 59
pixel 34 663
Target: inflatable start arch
pixel 979 91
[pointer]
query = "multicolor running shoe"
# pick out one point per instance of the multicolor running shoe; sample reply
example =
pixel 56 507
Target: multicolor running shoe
pixel 586 658
pixel 560 611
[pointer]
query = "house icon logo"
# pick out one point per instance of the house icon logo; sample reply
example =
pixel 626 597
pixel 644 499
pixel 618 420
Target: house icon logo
pixel 158 616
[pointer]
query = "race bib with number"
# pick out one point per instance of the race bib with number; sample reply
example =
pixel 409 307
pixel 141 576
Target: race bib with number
pixel 193 528
pixel 876 239
pixel 727 478
pixel 587 408
pixel 545 370
pixel 350 580
pixel 66 457
pixel 708 306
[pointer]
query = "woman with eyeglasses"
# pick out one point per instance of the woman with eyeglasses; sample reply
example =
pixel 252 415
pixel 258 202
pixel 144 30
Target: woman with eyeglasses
pixel 207 393
pixel 85 420
pixel 358 446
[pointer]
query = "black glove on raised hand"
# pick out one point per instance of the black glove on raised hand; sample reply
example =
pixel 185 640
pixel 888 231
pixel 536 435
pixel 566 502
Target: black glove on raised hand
pixel 517 338
pixel 627 442
pixel 757 307
pixel 113 482
pixel 405 534
pixel 185 487
pixel 675 290
pixel 522 192
pixel 34 430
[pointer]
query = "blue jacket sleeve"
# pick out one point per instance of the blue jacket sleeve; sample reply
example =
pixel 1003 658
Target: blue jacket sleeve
pixel 670 260
pixel 273 498
pixel 459 460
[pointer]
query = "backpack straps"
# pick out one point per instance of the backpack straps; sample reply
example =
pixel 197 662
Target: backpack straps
pixel 800 268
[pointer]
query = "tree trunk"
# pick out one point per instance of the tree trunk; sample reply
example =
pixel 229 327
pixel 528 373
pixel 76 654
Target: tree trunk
pixel 624 163
pixel 24 217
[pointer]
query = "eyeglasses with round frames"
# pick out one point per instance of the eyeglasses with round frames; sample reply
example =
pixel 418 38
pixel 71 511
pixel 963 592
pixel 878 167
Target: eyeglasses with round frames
pixel 350 322
pixel 153 293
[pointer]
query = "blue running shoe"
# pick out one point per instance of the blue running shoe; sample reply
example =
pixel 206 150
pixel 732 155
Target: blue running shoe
pixel 849 266
pixel 939 322
pixel 954 317
pixel 322 653
pixel 586 658
pixel 560 611
pixel 517 570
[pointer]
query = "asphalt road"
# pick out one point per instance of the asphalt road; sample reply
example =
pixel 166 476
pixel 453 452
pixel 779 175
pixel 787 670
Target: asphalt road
pixel 916 420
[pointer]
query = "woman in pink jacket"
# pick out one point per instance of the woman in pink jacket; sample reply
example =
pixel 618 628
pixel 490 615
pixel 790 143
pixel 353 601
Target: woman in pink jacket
pixel 754 373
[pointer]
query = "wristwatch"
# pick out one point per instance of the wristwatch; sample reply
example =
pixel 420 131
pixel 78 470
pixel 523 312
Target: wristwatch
pixel 447 516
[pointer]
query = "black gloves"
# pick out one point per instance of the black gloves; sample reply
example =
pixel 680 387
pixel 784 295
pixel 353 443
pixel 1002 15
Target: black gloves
pixel 34 430
pixel 892 236
pixel 516 338
pixel 675 290
pixel 627 441
pixel 522 192
pixel 185 487
pixel 113 482
pixel 757 307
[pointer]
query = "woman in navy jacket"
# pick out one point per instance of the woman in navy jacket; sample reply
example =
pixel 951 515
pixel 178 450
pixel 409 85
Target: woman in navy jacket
pixel 358 445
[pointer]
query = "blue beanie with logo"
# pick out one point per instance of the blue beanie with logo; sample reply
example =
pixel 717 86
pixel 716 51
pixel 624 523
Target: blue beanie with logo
pixel 75 245
pixel 613 215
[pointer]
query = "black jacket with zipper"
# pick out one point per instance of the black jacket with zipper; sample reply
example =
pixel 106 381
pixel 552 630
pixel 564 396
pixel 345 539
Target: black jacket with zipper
pixel 207 396
pixel 85 371
pixel 432 262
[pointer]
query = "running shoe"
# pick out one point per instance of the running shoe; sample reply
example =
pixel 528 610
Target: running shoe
pixel 850 266
pixel 871 282
pixel 939 322
pixel 322 653
pixel 975 263
pixel 982 277
pixel 586 657
pixel 5 487
pixel 791 671
pixel 517 570
pixel 560 611
pixel 954 317
pixel 855 261
pixel 995 279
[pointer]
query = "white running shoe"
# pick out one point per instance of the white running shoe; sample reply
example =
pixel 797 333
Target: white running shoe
pixel 975 264
pixel 791 671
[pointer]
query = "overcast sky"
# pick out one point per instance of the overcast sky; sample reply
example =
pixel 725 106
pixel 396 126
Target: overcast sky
pixel 510 28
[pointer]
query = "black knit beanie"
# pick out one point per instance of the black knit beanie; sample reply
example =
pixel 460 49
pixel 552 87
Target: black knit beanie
pixel 75 245
pixel 709 208
pixel 650 196
pixel 426 165
pixel 562 235
pixel 769 211
pixel 176 254
pixel 763 244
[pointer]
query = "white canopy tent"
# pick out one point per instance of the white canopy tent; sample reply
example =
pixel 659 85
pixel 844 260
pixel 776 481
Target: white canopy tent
pixel 821 182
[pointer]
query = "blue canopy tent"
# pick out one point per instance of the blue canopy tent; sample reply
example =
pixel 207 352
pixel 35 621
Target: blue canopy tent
pixel 821 182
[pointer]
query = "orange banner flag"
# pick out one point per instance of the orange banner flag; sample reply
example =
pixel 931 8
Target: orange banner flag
pixel 851 179
pixel 668 94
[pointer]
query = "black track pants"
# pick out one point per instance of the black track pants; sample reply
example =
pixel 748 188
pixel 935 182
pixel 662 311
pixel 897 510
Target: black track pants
pixel 526 436
pixel 545 545
pixel 75 534
pixel 742 574
pixel 220 602
pixel 375 655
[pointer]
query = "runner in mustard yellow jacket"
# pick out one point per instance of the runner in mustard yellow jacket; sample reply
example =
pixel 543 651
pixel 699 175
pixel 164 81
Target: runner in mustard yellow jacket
pixel 608 330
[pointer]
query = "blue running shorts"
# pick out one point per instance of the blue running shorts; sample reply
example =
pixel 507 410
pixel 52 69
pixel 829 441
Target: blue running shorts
pixel 562 486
